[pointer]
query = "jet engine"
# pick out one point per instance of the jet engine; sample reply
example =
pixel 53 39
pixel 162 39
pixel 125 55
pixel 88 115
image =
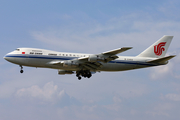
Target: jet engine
pixel 69 63
pixel 95 58
pixel 63 72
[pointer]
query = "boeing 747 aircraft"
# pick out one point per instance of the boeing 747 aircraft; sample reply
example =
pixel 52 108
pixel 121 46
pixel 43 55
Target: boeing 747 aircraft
pixel 83 65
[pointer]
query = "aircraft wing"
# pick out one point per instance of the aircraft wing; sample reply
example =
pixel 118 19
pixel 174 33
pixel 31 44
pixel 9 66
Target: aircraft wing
pixel 105 56
pixel 116 51
pixel 92 62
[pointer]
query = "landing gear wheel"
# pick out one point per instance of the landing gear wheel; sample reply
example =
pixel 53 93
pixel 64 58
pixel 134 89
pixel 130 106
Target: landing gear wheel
pixel 89 76
pixel 21 71
pixel 79 78
pixel 77 75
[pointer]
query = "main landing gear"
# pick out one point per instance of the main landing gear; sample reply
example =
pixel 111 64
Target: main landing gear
pixel 21 71
pixel 83 73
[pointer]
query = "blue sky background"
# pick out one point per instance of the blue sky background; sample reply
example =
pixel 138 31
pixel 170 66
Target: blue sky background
pixel 89 27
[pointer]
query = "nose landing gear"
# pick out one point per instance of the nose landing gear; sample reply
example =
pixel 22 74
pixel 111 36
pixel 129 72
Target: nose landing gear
pixel 21 71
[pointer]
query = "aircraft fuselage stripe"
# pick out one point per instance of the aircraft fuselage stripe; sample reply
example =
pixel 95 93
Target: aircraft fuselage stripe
pixel 70 58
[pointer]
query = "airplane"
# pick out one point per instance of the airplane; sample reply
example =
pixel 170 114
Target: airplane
pixel 83 65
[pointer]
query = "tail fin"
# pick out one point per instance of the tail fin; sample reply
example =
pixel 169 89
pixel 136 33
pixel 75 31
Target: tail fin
pixel 158 49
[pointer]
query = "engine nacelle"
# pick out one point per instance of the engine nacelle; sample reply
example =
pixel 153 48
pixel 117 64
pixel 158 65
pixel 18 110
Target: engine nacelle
pixel 69 63
pixel 95 58
pixel 63 72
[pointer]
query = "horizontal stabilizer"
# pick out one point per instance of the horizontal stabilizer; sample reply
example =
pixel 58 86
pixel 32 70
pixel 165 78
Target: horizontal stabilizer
pixel 162 60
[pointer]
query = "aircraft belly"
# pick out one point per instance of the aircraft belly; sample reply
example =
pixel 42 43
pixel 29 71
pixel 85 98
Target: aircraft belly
pixel 117 67
pixel 123 66
pixel 44 63
pixel 19 61
pixel 35 62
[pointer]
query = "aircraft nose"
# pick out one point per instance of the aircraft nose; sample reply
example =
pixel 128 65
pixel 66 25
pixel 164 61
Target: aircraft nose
pixel 7 58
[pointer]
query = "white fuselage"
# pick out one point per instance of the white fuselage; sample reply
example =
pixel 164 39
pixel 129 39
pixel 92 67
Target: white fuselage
pixel 40 58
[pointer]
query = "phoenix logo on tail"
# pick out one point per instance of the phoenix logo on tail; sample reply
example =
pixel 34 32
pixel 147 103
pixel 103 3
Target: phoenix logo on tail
pixel 158 49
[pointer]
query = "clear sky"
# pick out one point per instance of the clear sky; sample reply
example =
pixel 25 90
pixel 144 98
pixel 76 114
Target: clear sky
pixel 92 26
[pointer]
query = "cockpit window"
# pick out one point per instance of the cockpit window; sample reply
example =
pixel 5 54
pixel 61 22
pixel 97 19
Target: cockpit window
pixel 17 49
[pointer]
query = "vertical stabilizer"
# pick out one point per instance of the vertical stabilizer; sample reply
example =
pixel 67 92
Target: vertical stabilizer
pixel 158 49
